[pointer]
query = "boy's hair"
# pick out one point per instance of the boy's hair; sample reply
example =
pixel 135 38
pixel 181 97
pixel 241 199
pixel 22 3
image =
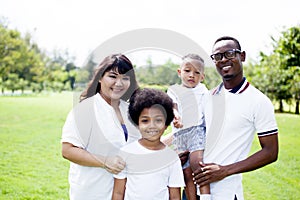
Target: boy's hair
pixel 192 56
pixel 146 98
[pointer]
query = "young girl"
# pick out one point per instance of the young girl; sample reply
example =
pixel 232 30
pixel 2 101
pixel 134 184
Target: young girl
pixel 153 170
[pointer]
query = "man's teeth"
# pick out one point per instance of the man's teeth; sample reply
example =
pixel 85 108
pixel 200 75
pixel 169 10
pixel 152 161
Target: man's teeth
pixel 227 67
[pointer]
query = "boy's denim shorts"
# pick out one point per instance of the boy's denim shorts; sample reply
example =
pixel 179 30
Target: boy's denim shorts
pixel 191 139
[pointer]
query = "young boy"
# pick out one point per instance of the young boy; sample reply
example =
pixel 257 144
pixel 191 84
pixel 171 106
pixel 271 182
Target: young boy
pixel 188 126
pixel 153 170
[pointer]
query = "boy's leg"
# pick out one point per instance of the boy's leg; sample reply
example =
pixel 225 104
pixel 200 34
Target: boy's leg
pixel 195 158
pixel 190 188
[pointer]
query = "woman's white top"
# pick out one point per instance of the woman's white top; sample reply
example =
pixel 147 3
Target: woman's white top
pixel 93 125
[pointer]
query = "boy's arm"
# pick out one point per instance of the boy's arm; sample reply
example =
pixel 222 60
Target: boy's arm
pixel 167 139
pixel 119 189
pixel 177 122
pixel 174 193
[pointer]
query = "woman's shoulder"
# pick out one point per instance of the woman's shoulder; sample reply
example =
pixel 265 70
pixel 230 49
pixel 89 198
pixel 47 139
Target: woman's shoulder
pixel 85 104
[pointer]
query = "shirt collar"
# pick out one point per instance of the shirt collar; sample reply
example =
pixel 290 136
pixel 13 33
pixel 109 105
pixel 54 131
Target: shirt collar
pixel 236 90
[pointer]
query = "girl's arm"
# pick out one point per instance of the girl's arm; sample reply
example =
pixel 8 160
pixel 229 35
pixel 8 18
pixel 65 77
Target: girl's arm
pixel 174 193
pixel 119 189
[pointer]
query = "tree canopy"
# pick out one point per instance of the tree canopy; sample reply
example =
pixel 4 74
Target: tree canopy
pixel 24 66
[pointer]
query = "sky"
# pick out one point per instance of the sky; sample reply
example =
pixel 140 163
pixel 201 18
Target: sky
pixel 80 26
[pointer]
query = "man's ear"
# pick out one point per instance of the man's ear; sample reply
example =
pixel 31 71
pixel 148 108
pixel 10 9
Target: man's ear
pixel 243 56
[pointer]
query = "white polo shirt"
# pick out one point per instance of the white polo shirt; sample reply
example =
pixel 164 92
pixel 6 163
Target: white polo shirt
pixel 239 114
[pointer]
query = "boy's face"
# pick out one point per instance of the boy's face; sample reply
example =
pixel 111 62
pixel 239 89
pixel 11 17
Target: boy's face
pixel 190 73
pixel 152 123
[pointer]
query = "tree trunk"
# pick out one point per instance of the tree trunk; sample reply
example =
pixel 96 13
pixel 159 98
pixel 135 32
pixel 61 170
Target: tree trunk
pixel 297 107
pixel 280 106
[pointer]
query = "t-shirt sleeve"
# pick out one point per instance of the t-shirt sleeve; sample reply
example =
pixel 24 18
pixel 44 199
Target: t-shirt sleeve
pixel 265 122
pixel 172 95
pixel 176 175
pixel 123 173
pixel 70 132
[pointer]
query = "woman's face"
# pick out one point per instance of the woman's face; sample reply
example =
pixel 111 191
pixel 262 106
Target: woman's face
pixel 114 85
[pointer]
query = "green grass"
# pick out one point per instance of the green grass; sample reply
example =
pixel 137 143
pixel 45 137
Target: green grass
pixel 279 180
pixel 31 166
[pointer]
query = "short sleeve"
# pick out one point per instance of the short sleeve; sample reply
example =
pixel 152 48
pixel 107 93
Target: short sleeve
pixel 265 122
pixel 78 126
pixel 172 95
pixel 176 175
pixel 123 173
pixel 70 132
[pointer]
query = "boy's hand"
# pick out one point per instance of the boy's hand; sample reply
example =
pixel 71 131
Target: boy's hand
pixel 183 156
pixel 177 121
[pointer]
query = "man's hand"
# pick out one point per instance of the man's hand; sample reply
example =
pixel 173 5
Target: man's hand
pixel 208 173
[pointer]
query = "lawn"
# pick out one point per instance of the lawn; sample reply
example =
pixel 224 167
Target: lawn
pixel 31 166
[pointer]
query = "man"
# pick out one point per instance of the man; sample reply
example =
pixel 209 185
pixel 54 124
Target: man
pixel 234 112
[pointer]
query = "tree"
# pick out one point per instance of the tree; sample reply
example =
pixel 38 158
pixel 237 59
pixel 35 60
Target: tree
pixel 288 49
pixel 20 59
pixel 277 74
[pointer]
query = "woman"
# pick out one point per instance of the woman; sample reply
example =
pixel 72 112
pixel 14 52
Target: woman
pixel 97 127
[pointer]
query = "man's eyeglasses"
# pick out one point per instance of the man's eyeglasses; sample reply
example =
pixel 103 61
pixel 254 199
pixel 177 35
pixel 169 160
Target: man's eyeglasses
pixel 230 54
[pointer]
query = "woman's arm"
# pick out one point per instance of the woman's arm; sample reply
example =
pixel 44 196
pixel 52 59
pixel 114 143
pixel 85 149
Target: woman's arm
pixel 82 157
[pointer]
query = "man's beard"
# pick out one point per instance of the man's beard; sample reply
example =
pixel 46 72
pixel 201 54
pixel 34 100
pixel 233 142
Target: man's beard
pixel 228 77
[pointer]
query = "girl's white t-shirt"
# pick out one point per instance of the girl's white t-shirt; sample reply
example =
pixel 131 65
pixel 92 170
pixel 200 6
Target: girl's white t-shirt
pixel 150 173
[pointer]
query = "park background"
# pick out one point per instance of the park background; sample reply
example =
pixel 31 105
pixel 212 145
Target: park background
pixel 45 60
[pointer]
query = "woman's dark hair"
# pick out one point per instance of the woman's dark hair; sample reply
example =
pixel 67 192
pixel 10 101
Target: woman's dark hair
pixel 146 98
pixel 116 62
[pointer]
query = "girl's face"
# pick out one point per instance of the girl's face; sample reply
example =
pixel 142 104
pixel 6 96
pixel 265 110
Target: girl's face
pixel 114 85
pixel 152 123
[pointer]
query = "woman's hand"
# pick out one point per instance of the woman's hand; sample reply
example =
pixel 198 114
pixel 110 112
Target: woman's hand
pixel 114 164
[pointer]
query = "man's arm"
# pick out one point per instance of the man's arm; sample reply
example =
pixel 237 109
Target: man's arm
pixel 208 173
